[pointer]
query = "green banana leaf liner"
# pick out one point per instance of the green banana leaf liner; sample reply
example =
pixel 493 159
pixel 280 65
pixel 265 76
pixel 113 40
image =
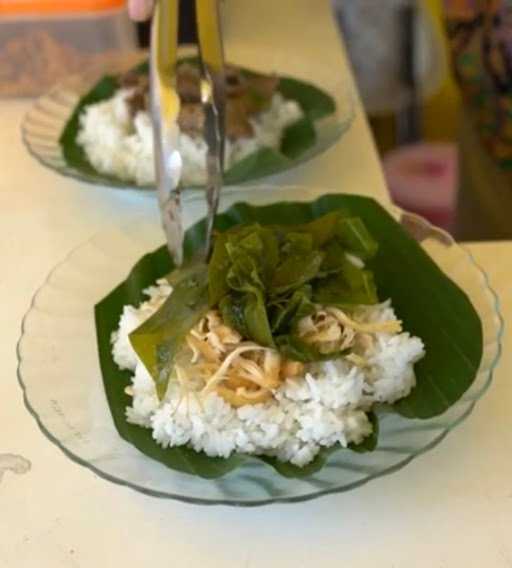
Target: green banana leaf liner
pixel 429 303
pixel 297 139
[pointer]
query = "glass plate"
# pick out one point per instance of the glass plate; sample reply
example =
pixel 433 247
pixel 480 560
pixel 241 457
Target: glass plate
pixel 43 124
pixel 60 375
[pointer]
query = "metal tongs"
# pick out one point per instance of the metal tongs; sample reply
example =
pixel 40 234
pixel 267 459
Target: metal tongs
pixel 165 105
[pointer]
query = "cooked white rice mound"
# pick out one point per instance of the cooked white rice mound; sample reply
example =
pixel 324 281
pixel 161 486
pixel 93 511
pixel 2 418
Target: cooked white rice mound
pixel 117 145
pixel 326 406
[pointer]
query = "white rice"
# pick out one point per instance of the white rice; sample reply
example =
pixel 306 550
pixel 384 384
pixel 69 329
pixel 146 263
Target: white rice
pixel 328 405
pixel 118 146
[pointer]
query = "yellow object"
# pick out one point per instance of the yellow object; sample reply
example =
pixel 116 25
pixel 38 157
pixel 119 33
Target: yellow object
pixel 208 30
pixel 165 34
pixel 440 112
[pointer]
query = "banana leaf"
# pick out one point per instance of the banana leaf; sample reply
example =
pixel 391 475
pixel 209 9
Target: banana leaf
pixel 429 303
pixel 298 138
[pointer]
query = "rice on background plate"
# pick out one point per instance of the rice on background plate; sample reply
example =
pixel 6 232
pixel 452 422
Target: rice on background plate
pixel 325 406
pixel 121 146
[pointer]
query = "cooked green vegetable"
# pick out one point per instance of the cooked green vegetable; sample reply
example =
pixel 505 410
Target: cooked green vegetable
pixel 353 234
pixel 264 280
pixel 284 313
pixel 348 285
pixel 159 338
pixel 322 229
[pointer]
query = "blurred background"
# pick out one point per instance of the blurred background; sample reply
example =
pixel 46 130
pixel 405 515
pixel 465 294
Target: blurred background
pixel 435 78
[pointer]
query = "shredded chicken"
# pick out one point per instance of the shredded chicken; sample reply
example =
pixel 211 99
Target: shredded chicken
pixel 290 369
pixel 356 360
pixel 332 330
pixel 365 341
pixel 243 372
pixel 391 326
pixel 211 338
pixel 234 359
pixel 326 332
pixel 242 397
pixel 239 371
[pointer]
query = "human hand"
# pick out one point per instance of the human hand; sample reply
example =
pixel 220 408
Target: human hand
pixel 140 10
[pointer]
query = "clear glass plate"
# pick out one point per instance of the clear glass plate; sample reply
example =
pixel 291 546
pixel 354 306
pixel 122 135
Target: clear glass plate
pixel 43 124
pixel 60 375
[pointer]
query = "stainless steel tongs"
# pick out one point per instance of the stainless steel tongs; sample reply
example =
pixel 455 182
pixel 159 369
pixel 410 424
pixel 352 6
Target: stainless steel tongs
pixel 165 106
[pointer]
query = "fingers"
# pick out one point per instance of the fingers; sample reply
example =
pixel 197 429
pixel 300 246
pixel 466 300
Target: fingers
pixel 140 10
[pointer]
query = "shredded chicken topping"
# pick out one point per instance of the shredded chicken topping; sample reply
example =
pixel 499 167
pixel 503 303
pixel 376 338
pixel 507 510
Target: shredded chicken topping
pixel 242 372
pixel 326 332
pixel 332 330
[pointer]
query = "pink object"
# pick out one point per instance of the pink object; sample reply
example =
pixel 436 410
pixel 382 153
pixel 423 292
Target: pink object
pixel 423 178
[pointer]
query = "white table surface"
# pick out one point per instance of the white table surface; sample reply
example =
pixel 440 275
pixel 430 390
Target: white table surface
pixel 451 507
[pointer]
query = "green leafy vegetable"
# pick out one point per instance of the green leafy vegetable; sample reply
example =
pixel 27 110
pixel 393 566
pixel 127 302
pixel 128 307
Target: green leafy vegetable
pixel 266 278
pixel 298 137
pixel 349 286
pixel 285 312
pixel 159 338
pixel 333 259
pixel 217 269
pixel 434 308
pixel 243 262
pixel 261 163
pixel 323 229
pixel 256 320
pixel 296 270
pixel 253 255
pixel 314 102
pixel 232 309
pixel 355 237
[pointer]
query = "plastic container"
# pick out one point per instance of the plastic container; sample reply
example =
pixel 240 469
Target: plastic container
pixel 42 41
pixel 423 178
